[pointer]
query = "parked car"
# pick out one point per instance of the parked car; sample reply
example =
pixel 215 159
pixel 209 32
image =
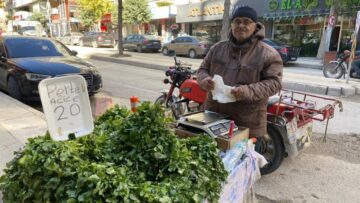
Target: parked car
pixel 286 52
pixel 187 45
pixel 97 39
pixel 140 43
pixel 72 38
pixel 25 61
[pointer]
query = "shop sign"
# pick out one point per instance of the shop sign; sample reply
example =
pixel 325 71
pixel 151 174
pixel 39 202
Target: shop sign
pixel 198 12
pixel 66 105
pixel 274 5
pixel 207 11
pixel 106 18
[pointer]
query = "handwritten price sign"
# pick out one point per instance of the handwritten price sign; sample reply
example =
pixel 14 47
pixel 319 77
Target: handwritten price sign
pixel 66 105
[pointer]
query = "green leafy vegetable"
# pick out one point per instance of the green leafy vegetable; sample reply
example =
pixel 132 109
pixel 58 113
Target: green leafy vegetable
pixel 130 157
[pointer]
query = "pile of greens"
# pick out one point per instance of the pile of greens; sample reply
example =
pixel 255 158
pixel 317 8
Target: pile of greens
pixel 130 157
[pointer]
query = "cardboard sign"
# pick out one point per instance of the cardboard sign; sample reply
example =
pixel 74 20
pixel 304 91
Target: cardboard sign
pixel 66 105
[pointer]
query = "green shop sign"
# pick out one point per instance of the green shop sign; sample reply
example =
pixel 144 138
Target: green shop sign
pixel 292 4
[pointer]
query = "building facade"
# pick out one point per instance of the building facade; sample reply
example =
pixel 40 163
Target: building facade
pixel 204 19
pixel 294 22
pixel 302 25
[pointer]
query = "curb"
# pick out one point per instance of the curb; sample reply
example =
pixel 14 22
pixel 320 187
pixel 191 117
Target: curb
pixel 304 65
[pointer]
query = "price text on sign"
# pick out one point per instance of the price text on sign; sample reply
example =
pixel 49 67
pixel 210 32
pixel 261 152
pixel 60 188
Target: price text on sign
pixel 66 106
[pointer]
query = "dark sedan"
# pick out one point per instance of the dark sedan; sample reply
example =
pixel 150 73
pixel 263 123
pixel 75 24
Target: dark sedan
pixel 286 52
pixel 25 61
pixel 142 43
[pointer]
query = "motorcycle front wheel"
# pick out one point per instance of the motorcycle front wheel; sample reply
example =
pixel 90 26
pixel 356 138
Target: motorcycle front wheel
pixel 334 70
pixel 174 109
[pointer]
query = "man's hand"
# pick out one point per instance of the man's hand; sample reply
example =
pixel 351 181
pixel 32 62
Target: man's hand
pixel 207 84
pixel 236 91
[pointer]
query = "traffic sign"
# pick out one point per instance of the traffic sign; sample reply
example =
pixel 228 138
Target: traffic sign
pixel 332 20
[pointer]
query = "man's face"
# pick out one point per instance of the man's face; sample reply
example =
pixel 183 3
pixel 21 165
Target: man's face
pixel 242 28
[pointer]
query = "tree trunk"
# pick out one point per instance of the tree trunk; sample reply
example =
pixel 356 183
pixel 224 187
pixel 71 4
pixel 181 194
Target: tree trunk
pixel 326 37
pixel 225 21
pixel 120 25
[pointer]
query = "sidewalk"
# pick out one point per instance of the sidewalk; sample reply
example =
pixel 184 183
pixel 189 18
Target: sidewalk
pixel 309 62
pixel 18 122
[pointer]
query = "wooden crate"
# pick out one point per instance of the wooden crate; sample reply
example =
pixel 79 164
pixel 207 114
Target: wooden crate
pixel 223 142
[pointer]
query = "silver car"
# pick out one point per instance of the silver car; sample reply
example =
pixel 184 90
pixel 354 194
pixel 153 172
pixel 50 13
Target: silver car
pixel 71 38
pixel 187 45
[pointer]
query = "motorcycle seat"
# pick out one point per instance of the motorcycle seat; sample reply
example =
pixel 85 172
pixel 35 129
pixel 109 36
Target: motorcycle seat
pixel 273 100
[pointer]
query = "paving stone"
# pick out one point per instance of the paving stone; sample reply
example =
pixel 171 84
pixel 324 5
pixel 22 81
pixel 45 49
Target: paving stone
pixel 294 86
pixel 6 138
pixel 334 91
pixel 348 91
pixel 25 127
pixel 316 89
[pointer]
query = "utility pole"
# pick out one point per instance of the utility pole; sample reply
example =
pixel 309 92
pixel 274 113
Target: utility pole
pixel 120 34
pixel 48 8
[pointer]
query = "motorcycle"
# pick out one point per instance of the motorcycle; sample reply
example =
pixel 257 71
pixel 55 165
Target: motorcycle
pixel 290 114
pixel 190 97
pixel 338 69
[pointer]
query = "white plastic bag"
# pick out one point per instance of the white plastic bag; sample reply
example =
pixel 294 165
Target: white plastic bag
pixel 222 92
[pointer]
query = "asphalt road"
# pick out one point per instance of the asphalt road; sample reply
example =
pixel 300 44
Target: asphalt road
pixel 123 81
pixel 83 51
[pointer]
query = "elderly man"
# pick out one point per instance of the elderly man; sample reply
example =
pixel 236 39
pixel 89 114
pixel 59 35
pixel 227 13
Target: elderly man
pixel 252 67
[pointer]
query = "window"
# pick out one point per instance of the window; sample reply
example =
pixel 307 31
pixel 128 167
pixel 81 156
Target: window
pixel 188 40
pixel 179 40
pixel 19 48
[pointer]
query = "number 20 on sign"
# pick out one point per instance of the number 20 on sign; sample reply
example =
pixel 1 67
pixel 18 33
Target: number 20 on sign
pixel 66 105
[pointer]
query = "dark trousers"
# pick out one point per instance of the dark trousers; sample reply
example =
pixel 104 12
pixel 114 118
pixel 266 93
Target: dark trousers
pixel 356 67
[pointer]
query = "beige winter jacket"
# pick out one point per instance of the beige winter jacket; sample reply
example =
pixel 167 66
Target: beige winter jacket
pixel 256 68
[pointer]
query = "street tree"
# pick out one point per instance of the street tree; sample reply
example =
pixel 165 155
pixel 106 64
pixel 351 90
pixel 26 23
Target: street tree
pixel 91 11
pixel 37 16
pixel 226 18
pixel 136 12
pixel 336 7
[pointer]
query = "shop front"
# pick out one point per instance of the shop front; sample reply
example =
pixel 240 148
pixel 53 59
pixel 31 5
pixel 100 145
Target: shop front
pixel 302 25
pixel 204 19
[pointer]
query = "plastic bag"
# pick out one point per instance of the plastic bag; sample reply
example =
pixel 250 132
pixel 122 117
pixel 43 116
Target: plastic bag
pixel 222 92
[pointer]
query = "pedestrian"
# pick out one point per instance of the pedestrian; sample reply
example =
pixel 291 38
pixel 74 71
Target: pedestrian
pixel 355 65
pixel 248 64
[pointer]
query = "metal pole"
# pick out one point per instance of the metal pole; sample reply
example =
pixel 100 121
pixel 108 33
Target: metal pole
pixel 48 7
pixel 326 128
pixel 353 47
